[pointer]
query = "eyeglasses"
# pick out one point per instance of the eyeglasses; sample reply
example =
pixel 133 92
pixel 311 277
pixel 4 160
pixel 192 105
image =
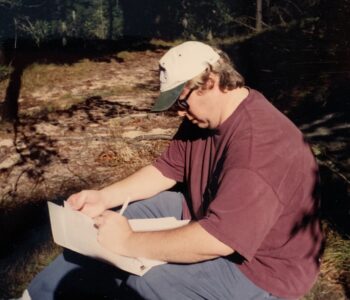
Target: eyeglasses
pixel 182 104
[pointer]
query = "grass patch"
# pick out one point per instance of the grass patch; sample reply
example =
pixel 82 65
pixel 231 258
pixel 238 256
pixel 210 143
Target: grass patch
pixel 333 281
pixel 39 76
pixel 107 91
pixel 166 44
pixel 30 254
pixel 215 41
pixel 126 55
pixel 337 256
pixel 21 272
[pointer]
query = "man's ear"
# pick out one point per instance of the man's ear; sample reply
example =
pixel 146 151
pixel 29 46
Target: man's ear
pixel 206 87
pixel 211 81
pixel 209 84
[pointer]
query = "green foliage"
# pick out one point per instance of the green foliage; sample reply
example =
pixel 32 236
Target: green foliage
pixel 171 19
pixel 206 19
pixel 87 19
pixel 38 30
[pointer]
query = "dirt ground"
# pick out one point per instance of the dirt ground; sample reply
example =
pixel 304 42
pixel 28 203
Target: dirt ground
pixel 79 132
pixel 90 144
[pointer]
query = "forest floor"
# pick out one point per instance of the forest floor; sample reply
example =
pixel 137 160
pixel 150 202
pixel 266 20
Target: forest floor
pixel 86 125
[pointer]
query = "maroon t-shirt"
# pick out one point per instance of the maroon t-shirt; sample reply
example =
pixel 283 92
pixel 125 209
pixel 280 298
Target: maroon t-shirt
pixel 251 183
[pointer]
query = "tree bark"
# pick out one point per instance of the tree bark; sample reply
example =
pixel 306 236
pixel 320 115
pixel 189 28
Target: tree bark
pixel 111 7
pixel 10 105
pixel 258 25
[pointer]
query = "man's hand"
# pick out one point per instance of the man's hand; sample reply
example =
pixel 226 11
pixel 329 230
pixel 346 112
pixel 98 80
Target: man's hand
pixel 89 202
pixel 114 232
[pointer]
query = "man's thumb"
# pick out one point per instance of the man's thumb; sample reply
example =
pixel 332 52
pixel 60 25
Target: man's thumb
pixel 76 201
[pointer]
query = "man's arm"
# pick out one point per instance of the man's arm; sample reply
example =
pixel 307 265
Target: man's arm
pixel 143 184
pixel 188 244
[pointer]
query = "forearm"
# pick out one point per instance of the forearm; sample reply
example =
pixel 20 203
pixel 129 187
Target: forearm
pixel 188 244
pixel 143 184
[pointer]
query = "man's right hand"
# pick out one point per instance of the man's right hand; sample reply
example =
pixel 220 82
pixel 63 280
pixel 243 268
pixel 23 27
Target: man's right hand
pixel 143 184
pixel 89 202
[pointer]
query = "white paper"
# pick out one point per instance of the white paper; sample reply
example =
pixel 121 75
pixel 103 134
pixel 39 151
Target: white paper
pixel 75 231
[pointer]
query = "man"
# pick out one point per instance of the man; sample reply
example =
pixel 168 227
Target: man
pixel 249 180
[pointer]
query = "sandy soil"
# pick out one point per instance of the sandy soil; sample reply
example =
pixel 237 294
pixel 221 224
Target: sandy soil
pixel 91 143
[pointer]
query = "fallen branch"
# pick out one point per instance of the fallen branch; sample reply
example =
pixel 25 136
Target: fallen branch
pixel 331 166
pixel 153 137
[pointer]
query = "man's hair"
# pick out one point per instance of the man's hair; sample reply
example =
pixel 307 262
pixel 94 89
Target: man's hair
pixel 229 78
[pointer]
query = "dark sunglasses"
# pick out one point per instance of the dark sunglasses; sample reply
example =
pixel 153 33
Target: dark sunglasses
pixel 182 104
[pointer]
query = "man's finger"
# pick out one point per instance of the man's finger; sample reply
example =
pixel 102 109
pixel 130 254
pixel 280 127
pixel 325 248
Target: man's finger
pixel 107 213
pixel 98 221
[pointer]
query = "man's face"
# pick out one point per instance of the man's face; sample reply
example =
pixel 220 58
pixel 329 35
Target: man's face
pixel 198 106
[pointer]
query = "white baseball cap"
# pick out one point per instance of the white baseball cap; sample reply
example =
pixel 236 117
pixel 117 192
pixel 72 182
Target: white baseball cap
pixel 179 65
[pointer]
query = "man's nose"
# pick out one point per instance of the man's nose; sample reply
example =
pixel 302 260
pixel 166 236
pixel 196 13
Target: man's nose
pixel 181 113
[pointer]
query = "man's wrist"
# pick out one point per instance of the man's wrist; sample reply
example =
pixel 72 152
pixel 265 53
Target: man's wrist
pixel 105 198
pixel 130 245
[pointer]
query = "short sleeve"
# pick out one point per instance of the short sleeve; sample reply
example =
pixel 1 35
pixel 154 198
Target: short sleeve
pixel 172 161
pixel 243 211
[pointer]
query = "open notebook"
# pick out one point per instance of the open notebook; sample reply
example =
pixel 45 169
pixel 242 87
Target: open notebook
pixel 75 231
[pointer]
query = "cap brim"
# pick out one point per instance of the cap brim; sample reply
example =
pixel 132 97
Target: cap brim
pixel 168 98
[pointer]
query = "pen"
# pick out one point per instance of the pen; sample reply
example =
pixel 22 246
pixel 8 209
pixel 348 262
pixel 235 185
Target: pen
pixel 125 205
pixel 122 210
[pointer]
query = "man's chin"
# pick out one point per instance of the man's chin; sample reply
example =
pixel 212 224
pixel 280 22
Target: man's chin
pixel 202 125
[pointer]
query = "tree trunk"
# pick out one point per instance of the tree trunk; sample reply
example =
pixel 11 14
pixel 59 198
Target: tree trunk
pixel 111 7
pixel 2 55
pixel 10 106
pixel 258 25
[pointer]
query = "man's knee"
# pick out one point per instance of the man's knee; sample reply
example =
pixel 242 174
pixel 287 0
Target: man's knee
pixel 165 204
pixel 161 282
pixel 147 286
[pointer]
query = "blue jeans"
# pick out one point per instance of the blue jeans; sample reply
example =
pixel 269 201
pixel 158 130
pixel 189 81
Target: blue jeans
pixel 74 276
